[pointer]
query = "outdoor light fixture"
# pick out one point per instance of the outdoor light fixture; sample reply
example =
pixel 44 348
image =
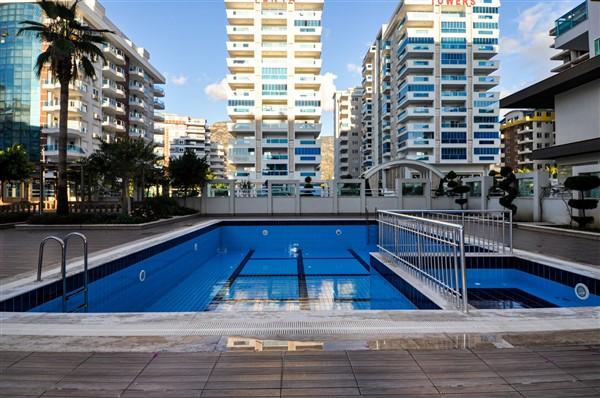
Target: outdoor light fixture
pixel 3 37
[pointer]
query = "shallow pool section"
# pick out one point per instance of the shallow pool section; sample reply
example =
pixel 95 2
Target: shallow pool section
pixel 253 268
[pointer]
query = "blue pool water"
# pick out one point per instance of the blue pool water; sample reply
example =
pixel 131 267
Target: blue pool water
pixel 253 268
pixel 287 267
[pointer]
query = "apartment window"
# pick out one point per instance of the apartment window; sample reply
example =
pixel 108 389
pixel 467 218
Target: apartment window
pixel 274 89
pixel 454 59
pixel 454 27
pixel 486 151
pixel 240 103
pixel 308 103
pixel 454 137
pixel 485 119
pixel 486 135
pixel 307 151
pixel 274 73
pixel 454 43
pixel 454 153
pixel 597 46
pixel 485 25
pixel 307 22
pixel 485 10
pixel 484 40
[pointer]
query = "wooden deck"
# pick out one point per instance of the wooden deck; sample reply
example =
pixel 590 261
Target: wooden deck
pixel 519 372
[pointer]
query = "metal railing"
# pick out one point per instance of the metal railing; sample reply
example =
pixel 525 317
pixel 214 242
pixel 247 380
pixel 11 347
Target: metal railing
pixel 486 231
pixel 432 251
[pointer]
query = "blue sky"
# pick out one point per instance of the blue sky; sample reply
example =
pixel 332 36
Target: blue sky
pixel 186 40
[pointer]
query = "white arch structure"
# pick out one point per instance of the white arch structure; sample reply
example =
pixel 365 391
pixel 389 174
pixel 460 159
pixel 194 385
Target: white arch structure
pixel 425 168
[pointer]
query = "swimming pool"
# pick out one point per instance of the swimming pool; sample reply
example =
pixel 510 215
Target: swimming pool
pixel 292 266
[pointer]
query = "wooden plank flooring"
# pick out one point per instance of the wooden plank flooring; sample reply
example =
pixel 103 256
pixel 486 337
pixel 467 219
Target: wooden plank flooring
pixel 504 373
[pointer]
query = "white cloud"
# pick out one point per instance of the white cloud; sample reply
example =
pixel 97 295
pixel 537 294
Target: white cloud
pixel 327 91
pixel 525 52
pixel 179 80
pixel 217 91
pixel 353 68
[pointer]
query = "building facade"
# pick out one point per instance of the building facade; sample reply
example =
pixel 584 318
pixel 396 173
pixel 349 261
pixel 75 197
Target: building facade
pixel 19 86
pixel 573 92
pixel 428 87
pixel 181 133
pixel 348 132
pixel 121 100
pixel 274 60
pixel 524 131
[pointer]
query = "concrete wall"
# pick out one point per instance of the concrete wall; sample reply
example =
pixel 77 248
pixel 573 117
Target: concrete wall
pixel 578 113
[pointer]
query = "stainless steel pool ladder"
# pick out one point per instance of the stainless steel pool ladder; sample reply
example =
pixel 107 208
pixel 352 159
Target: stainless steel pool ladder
pixel 66 296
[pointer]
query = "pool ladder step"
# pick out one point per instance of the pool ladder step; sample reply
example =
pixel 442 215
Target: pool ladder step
pixel 68 295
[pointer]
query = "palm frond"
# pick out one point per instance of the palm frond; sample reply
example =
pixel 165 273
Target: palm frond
pixel 49 8
pixel 33 23
pixel 65 12
pixel 88 67
pixel 86 49
pixel 38 29
pixel 42 59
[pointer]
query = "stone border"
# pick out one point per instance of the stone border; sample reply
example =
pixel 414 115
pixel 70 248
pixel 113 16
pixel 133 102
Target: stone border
pixel 122 227
pixel 558 231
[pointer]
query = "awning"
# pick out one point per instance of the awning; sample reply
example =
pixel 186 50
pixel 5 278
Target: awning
pixel 541 95
pixel 562 151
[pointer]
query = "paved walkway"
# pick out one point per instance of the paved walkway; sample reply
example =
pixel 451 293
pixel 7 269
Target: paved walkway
pixel 20 248
pixel 541 372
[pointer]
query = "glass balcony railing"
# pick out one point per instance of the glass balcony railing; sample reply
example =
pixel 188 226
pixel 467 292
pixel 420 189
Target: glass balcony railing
pixel 571 19
pixel 70 148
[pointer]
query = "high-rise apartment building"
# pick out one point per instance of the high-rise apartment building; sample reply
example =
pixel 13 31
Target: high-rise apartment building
pixel 524 131
pixel 347 131
pixel 274 59
pixel 181 133
pixel 427 83
pixel 122 99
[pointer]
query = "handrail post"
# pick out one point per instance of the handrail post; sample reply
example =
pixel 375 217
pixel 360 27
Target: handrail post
pixel 41 253
pixel 463 268
pixel 510 231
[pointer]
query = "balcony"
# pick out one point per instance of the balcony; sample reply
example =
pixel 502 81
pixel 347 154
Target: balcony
pixel 418 65
pixel 158 91
pixel 111 106
pixel 158 104
pixel 137 71
pixel 307 159
pixel 416 112
pixel 113 54
pixel 236 81
pixel 308 48
pixel 314 128
pixel 75 129
pixel 236 32
pixel 246 111
pixel 307 111
pixel 76 107
pixel 76 90
pixel 243 143
pixel 240 14
pixel 137 118
pixel 453 111
pixel 308 31
pixel 137 87
pixel 275 127
pixel 241 64
pixel 307 80
pixel 486 65
pixel 114 72
pixel 484 51
pixel 237 47
pixel 308 64
pixel 459 80
pixel 241 127
pixel 486 82
pixel 571 19
pixel 72 151
pixel 275 143
pixel 249 158
pixel 274 14
pixel 159 117
pixel 112 89
pixel 137 103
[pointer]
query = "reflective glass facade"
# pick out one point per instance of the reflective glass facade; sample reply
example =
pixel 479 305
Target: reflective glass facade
pixel 19 87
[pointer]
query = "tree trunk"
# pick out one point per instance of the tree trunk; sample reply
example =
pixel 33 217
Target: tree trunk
pixel 62 199
pixel 125 197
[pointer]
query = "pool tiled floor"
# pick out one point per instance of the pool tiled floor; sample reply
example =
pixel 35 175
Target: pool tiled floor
pixel 520 372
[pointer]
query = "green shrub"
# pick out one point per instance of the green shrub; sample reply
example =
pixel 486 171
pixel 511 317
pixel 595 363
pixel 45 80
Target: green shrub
pixel 86 218
pixel 6 218
pixel 160 207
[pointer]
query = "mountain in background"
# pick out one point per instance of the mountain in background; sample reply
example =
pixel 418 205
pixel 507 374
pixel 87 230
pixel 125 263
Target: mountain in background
pixel 326 157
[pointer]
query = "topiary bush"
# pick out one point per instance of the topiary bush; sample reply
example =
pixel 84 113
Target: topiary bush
pixel 455 188
pixel 508 186
pixel 582 183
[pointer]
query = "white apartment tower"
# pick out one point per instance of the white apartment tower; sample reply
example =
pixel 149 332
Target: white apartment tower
pixel 121 100
pixel 274 59
pixel 427 83
pixel 347 132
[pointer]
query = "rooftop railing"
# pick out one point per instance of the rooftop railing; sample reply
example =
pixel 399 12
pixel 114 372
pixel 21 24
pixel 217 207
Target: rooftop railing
pixel 571 19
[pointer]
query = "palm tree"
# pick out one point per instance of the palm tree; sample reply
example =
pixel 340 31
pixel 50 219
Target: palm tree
pixel 71 50
pixel 121 160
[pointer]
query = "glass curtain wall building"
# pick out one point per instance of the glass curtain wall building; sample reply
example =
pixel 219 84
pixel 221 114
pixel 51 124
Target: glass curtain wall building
pixel 19 86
